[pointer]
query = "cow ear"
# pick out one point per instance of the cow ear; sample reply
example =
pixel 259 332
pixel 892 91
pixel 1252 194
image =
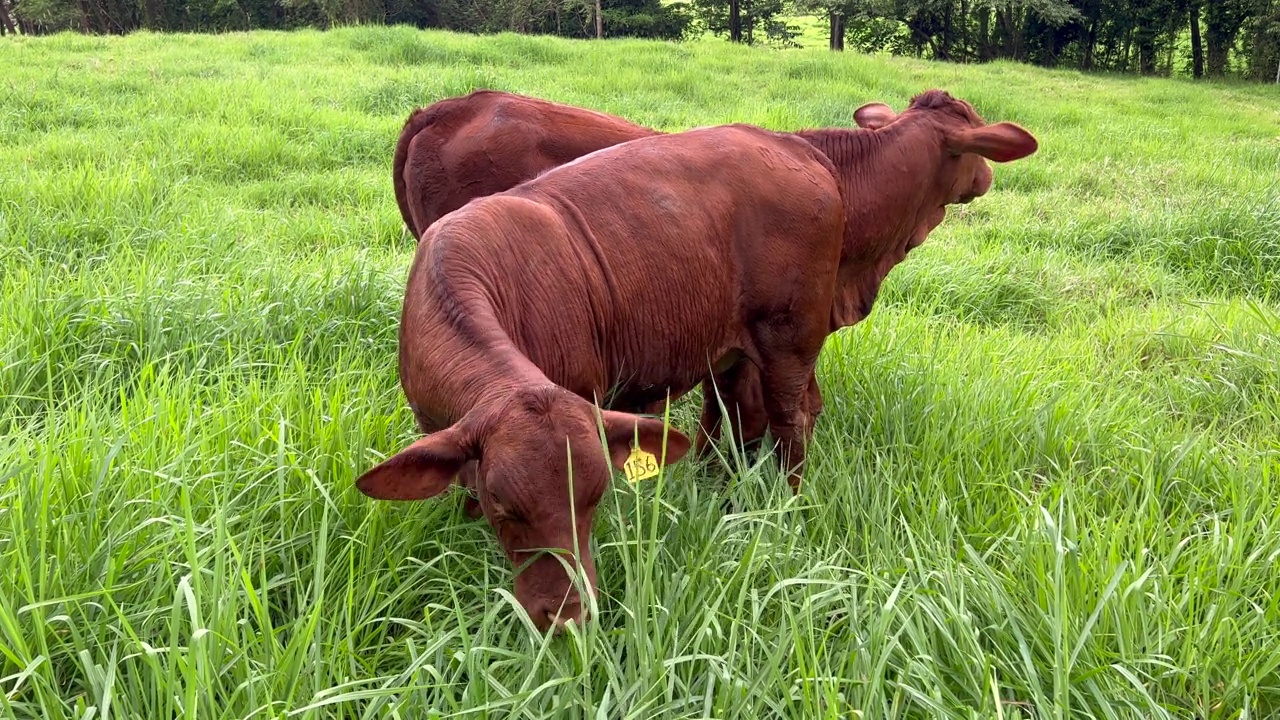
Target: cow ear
pixel 874 115
pixel 1001 142
pixel 623 431
pixel 424 469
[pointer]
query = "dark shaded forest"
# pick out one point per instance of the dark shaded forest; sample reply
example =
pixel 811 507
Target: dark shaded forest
pixel 1198 38
pixel 1195 38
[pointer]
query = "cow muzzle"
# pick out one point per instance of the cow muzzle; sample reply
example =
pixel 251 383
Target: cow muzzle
pixel 550 597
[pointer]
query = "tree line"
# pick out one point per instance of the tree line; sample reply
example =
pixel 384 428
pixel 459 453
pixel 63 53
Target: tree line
pixel 1196 38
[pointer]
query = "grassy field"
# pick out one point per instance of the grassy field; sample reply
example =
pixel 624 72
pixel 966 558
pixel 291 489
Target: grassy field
pixel 1046 483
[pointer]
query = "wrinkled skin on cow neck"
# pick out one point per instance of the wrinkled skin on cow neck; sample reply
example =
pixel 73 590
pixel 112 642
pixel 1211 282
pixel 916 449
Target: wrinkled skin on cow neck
pixel 885 179
pixel 896 179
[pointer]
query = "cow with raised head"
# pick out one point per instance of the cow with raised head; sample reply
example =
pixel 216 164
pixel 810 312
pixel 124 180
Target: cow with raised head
pixel 897 173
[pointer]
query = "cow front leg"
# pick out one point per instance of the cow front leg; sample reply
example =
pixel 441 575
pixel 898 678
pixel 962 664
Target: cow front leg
pixel 813 398
pixel 710 420
pixel 788 380
pixel 749 421
pixel 738 388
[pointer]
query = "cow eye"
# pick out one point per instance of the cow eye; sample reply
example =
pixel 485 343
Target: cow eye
pixel 496 505
pixel 504 512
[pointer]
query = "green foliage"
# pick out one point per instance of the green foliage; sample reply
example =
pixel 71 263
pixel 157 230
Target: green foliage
pixel 573 18
pixel 1149 37
pixel 649 19
pixel 1143 36
pixel 757 16
pixel 1045 484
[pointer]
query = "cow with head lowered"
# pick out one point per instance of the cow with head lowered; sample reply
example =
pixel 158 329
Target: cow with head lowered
pixel 466 147
pixel 628 273
pixel 645 269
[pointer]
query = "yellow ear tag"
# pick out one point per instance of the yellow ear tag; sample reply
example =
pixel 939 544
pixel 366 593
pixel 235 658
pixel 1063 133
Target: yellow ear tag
pixel 640 465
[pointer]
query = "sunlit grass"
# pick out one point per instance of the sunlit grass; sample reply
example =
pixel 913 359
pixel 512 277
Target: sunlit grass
pixel 1045 484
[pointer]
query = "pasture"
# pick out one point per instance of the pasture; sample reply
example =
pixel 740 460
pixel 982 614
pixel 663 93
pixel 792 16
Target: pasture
pixel 1046 483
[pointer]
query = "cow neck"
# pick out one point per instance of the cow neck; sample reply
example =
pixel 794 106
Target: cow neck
pixel 492 368
pixel 492 376
pixel 885 179
pixel 880 173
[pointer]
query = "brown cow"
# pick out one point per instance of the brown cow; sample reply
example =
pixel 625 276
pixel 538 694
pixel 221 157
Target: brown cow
pixel 488 141
pixel 462 148
pixel 897 174
pixel 630 272
pixel 605 303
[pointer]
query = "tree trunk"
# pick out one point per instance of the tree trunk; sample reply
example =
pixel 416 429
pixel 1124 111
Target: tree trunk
pixel 1197 51
pixel 6 19
pixel 84 18
pixel 1266 40
pixel 984 34
pixel 837 31
pixel 944 46
pixel 1146 56
pixel 599 22
pixel 1223 21
pixel 1012 26
pixel 1019 27
pixel 1217 53
pixel 735 21
pixel 1090 42
pixel 1006 32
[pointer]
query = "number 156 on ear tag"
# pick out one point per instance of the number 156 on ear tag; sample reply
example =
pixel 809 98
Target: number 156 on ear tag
pixel 640 465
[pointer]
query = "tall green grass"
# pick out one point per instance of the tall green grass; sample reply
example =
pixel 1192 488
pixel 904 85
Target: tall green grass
pixel 1046 483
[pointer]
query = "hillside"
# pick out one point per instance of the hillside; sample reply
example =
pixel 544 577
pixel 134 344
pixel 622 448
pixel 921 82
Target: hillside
pixel 1046 482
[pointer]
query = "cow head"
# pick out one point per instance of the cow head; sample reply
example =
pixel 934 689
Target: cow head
pixel 964 141
pixel 527 450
